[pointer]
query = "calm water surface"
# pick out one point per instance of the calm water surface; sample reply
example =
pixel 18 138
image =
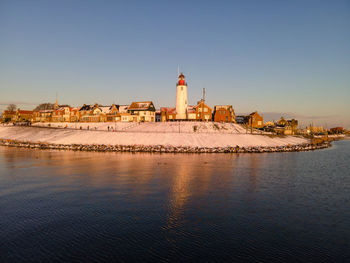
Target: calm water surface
pixel 76 206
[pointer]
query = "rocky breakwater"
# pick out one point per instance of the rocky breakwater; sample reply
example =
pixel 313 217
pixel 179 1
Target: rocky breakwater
pixel 163 148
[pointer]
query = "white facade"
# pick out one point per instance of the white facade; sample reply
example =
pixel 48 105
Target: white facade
pixel 181 98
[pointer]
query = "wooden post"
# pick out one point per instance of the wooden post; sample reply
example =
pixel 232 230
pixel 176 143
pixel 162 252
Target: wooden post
pixel 251 125
pixel 203 100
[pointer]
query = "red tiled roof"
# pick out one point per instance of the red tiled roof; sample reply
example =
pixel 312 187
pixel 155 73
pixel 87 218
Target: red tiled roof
pixel 25 111
pixel 168 110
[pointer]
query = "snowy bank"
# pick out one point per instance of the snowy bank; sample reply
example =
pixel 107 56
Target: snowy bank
pixel 90 137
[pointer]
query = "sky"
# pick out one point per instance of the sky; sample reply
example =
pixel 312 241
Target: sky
pixel 289 58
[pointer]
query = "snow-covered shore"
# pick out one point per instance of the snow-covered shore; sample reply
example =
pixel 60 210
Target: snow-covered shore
pixel 149 138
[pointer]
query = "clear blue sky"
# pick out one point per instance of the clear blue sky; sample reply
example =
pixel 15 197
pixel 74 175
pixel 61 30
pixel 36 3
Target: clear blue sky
pixel 271 56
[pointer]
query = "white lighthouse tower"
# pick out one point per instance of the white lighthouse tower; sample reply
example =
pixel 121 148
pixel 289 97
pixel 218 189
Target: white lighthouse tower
pixel 181 98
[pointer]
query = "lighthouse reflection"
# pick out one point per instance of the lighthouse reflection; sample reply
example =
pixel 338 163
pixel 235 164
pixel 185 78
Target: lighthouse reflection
pixel 180 193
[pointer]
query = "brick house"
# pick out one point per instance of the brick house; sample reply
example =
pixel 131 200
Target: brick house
pixel 74 115
pixel 61 114
pixel 112 114
pixel 224 113
pixel 337 130
pixel 142 111
pixel 203 112
pixel 23 115
pixel 287 127
pixel 167 114
pixel 191 113
pixel 100 113
pixel 42 116
pixel 86 113
pixel 8 116
pixel 255 120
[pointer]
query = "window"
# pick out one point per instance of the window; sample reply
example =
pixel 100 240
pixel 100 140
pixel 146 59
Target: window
pixel 182 88
pixel 205 109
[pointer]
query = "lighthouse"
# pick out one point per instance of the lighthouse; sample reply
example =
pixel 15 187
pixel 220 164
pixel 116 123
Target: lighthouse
pixel 181 98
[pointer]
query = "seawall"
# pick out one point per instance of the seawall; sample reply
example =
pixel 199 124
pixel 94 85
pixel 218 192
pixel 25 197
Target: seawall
pixel 161 148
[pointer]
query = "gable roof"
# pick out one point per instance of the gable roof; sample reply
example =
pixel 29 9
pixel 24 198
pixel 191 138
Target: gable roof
pixel 254 113
pixel 141 105
pixel 105 109
pixel 200 103
pixel 62 108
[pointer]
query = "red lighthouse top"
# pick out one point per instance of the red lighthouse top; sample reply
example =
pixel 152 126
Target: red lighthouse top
pixel 181 79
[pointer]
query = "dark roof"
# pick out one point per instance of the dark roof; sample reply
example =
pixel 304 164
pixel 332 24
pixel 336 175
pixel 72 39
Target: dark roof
pixel 86 107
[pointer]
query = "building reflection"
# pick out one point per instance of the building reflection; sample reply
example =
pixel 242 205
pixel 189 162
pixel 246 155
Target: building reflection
pixel 180 192
pixel 182 179
pixel 253 172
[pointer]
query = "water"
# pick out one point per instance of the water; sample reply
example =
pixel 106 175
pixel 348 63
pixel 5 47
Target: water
pixel 76 206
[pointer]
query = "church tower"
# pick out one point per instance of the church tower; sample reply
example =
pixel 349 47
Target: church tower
pixel 56 104
pixel 181 98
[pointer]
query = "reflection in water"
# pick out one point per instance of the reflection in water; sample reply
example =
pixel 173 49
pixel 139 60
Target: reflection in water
pixel 182 207
pixel 254 164
pixel 180 192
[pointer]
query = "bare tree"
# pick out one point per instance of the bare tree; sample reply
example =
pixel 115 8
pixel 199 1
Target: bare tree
pixel 11 108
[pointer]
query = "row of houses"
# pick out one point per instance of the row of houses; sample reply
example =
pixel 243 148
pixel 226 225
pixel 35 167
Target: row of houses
pixel 145 112
pixel 283 126
pixel 135 112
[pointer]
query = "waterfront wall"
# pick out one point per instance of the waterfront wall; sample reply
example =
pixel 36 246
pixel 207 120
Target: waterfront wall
pixel 162 148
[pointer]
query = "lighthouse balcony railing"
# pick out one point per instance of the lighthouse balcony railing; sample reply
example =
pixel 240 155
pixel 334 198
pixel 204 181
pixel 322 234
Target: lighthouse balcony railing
pixel 177 83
